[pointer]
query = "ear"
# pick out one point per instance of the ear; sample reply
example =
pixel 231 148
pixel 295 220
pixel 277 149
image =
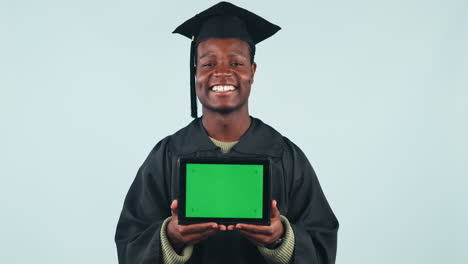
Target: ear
pixel 254 68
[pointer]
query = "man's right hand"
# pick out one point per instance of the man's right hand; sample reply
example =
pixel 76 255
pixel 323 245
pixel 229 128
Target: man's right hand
pixel 181 235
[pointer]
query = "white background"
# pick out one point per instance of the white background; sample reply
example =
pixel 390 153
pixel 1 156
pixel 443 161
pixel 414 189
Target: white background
pixel 374 92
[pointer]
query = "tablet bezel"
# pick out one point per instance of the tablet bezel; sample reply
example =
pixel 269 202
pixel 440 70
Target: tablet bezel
pixel 265 220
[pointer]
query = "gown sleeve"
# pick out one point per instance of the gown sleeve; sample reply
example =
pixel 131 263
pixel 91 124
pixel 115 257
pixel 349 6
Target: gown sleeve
pixel 145 208
pixel 312 220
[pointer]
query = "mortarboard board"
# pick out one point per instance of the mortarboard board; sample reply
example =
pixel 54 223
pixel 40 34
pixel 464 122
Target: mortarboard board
pixel 223 20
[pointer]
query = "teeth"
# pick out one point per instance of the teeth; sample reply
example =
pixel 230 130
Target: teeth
pixel 223 88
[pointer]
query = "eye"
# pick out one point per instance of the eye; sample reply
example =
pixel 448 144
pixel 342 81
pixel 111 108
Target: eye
pixel 235 64
pixel 208 64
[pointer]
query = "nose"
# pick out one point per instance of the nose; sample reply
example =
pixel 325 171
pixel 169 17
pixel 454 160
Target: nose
pixel 222 72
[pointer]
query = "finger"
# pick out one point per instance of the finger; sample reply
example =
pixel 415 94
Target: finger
pixel 200 236
pixel 196 238
pixel 264 230
pixel 222 228
pixel 194 242
pixel 231 227
pixel 197 228
pixel 257 239
pixel 275 213
pixel 174 210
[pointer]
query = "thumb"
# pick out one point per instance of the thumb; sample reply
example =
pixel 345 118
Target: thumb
pixel 275 213
pixel 174 210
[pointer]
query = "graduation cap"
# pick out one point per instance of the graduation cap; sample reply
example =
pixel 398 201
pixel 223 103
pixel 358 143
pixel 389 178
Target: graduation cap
pixel 223 20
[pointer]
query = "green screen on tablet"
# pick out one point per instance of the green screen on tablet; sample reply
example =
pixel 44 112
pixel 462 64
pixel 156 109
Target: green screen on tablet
pixel 224 190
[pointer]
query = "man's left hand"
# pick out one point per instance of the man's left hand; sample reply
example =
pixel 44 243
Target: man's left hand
pixel 262 235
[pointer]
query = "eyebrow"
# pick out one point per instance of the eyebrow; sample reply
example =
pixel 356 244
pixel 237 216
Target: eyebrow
pixel 207 55
pixel 235 55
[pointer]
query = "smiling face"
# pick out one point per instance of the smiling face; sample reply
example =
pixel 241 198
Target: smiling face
pixel 224 74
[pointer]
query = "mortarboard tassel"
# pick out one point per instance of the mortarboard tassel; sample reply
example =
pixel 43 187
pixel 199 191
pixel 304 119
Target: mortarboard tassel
pixel 193 94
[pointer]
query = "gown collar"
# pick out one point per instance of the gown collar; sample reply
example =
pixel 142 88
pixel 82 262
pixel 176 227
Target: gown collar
pixel 259 140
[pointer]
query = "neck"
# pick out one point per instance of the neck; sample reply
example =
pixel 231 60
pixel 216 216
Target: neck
pixel 226 127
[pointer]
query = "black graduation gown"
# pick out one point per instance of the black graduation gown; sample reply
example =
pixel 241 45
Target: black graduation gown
pixel 294 186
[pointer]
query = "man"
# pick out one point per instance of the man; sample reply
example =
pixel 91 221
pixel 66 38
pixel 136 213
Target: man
pixel 303 228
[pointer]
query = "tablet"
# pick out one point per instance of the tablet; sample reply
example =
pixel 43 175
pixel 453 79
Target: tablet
pixel 224 190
